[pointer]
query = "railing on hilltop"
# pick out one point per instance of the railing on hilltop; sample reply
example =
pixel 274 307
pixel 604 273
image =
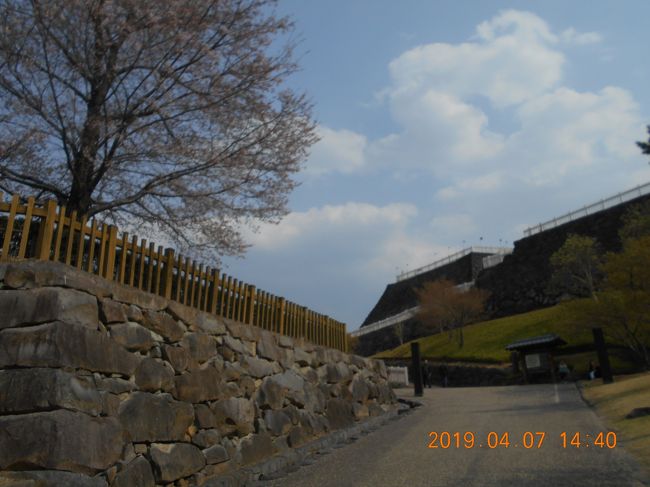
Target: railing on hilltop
pixel 46 232
pixel 402 316
pixel 601 205
pixel 451 258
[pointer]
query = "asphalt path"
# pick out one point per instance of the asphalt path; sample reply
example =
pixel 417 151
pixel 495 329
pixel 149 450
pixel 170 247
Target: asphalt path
pixel 398 453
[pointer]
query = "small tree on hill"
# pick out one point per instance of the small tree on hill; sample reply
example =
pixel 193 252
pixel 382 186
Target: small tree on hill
pixel 576 266
pixel 623 305
pixel 635 222
pixel 443 307
pixel 399 330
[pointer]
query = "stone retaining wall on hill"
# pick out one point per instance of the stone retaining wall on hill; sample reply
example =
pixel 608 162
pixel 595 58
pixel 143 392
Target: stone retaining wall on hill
pixel 101 385
pixel 520 283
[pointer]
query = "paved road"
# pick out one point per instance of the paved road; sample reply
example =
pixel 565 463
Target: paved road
pixel 397 454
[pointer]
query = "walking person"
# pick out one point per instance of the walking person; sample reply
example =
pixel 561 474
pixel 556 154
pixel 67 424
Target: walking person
pixel 444 375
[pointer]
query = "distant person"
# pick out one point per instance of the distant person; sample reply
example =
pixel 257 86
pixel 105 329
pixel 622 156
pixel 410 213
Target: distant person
pixel 427 374
pixel 592 370
pixel 563 370
pixel 444 375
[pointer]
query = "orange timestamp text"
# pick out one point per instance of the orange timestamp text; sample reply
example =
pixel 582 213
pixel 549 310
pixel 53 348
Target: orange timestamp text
pixel 528 440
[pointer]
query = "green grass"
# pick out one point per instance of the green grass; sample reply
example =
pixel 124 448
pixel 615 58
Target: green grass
pixel 614 401
pixel 486 341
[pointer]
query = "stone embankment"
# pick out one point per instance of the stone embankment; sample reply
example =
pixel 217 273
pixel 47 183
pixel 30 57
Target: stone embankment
pixel 102 384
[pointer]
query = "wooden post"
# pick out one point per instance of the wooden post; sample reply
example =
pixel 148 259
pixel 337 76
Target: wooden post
pixel 250 315
pixel 309 324
pixel 303 313
pixel 143 246
pixel 134 257
pixel 206 292
pixel 222 306
pixel 192 273
pixel 263 313
pixel 81 247
pixel 417 368
pixel 186 281
pixel 274 324
pixel 45 242
pixel 169 273
pixel 73 228
pixel 159 263
pixel 240 301
pixel 281 317
pixel 102 251
pixel 110 257
pixel 152 248
pixel 318 323
pixel 27 223
pixel 197 294
pixel 91 250
pixel 330 336
pixel 215 291
pixel 603 356
pixel 179 278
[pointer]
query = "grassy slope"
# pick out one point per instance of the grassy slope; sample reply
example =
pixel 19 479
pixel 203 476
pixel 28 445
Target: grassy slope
pixel 614 401
pixel 486 341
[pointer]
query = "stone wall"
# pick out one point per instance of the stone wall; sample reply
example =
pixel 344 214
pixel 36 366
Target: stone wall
pixel 402 295
pixel 520 283
pixel 101 384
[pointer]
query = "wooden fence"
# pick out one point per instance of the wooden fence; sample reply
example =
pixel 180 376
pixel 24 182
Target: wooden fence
pixel 46 232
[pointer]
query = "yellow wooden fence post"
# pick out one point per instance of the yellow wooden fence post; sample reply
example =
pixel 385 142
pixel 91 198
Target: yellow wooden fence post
pixel 303 322
pixel 169 273
pixel 109 267
pixel 45 242
pixel 26 224
pixel 250 311
pixel 281 319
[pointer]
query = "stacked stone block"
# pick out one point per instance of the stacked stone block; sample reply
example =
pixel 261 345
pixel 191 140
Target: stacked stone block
pixel 102 384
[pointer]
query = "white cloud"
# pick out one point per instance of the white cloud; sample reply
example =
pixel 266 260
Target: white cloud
pixel 566 131
pixel 457 224
pixel 524 26
pixel 400 252
pixel 511 61
pixel 485 183
pixel 331 222
pixel 571 36
pixel 440 127
pixel 336 151
pixel 443 95
pixel 373 241
pixel 466 175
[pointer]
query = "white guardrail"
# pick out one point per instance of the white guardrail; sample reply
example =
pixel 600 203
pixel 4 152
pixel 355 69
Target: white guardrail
pixel 451 258
pixel 496 259
pixel 601 205
pixel 391 320
pixel 401 316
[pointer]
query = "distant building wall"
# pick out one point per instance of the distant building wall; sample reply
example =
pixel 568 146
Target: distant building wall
pixel 520 283
pixel 516 285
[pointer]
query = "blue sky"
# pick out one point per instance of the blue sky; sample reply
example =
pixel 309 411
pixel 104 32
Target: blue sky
pixel 447 124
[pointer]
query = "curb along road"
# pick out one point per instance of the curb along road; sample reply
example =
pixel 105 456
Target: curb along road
pixel 404 454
